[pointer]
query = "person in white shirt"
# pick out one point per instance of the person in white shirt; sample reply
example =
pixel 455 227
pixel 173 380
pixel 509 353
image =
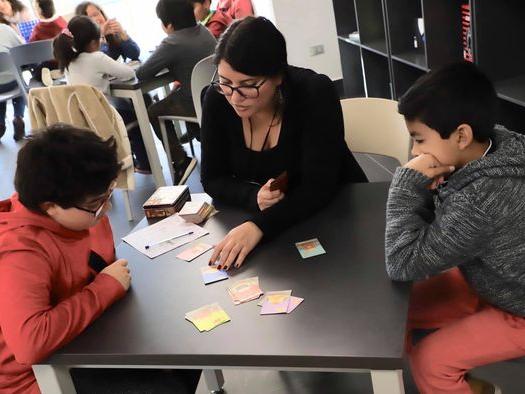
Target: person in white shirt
pixel 77 50
pixel 9 39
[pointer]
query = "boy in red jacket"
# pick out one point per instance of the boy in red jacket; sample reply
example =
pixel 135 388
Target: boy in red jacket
pixel 57 262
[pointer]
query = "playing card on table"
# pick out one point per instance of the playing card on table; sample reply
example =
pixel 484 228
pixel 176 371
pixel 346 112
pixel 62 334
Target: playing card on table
pixel 212 274
pixel 276 302
pixel 310 248
pixel 194 252
pixel 208 317
pixel 245 290
pixel 294 303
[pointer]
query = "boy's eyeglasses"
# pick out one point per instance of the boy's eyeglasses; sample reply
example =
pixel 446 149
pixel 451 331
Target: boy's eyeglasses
pixel 246 91
pixel 105 199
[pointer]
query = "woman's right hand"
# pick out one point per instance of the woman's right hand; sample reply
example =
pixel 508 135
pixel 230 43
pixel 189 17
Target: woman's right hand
pixel 266 198
pixel 111 26
pixel 120 271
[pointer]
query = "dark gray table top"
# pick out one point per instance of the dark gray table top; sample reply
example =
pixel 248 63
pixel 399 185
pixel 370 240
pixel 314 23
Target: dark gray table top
pixel 353 316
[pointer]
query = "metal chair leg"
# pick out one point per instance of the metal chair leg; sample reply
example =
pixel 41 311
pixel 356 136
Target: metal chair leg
pixel 167 147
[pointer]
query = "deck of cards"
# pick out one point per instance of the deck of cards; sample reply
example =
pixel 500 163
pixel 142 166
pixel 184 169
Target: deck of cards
pixel 194 251
pixel 276 302
pixel 310 248
pixel 208 317
pixel 212 274
pixel 245 290
pixel 197 211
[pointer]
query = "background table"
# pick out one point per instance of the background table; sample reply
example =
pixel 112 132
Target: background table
pixel 353 317
pixel 134 89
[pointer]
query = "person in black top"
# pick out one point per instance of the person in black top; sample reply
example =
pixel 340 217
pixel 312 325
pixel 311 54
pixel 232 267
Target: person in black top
pixel 261 118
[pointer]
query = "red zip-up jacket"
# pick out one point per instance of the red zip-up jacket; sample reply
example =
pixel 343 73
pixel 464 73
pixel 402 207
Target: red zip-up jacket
pixel 48 292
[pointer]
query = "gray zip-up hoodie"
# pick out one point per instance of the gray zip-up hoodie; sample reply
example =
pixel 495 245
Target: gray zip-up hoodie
pixel 475 222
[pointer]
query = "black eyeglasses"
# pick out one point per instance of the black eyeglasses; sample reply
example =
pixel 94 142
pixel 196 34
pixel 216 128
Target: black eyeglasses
pixel 105 199
pixel 246 91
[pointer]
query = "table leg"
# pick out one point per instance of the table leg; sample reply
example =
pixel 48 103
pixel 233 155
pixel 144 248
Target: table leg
pixel 145 129
pixel 214 380
pixel 388 382
pixel 54 379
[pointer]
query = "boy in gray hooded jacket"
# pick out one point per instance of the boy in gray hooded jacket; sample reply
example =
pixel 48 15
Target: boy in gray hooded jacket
pixel 461 203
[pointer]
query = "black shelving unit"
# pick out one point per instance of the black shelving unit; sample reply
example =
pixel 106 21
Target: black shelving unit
pixel 377 74
pixel 383 51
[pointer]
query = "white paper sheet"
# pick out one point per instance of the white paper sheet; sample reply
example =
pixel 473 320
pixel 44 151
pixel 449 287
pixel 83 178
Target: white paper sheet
pixel 169 227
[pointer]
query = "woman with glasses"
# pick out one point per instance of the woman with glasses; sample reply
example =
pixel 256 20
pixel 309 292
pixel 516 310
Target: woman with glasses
pixel 264 120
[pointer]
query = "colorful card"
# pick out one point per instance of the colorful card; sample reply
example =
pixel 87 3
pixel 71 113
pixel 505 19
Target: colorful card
pixel 245 290
pixel 208 317
pixel 276 302
pixel 194 252
pixel 212 274
pixel 310 248
pixel 294 303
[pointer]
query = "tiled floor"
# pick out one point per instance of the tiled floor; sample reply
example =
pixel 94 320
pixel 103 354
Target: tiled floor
pixel 508 375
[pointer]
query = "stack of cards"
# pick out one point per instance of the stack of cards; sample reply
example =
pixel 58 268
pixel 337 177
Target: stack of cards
pixel 245 290
pixel 194 252
pixel 279 302
pixel 208 317
pixel 310 248
pixel 197 211
pixel 212 274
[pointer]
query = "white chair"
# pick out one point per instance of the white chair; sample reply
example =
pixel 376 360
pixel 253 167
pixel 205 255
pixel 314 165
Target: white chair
pixel 373 126
pixel 201 76
pixel 86 107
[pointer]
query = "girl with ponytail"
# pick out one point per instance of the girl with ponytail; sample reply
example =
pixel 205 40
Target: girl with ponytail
pixel 77 50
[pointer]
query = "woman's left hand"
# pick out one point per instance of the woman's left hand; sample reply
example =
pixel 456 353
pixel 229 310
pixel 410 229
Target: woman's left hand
pixel 237 244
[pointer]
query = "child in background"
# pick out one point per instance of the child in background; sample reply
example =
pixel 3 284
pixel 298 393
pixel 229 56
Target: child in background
pixel 77 52
pixel 460 203
pixel 236 9
pixel 187 42
pixel 215 21
pixel 50 25
pixel 9 38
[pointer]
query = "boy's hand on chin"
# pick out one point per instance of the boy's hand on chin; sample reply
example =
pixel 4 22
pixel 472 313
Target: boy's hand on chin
pixel 429 166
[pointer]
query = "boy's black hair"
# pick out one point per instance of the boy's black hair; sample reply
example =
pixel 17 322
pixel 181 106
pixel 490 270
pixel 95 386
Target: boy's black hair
pixel 47 8
pixel 253 46
pixel 66 49
pixel 450 96
pixel 64 165
pixel 178 13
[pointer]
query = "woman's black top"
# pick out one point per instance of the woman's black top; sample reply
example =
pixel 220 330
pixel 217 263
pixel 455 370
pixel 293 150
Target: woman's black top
pixel 311 148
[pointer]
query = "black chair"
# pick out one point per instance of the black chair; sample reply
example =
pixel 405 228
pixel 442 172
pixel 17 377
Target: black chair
pixel 28 56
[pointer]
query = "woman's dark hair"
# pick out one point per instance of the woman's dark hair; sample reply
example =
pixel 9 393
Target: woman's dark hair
pixel 82 9
pixel 66 48
pixel 4 21
pixel 17 6
pixel 449 96
pixel 177 13
pixel 65 165
pixel 47 8
pixel 253 46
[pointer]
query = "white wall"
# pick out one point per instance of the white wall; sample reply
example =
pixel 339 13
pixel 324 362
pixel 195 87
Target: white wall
pixel 306 24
